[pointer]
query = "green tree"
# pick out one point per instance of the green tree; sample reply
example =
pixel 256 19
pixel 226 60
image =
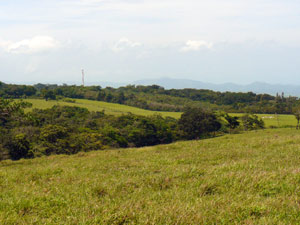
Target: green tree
pixel 11 111
pixel 19 147
pixel 100 96
pixel 196 123
pixel 51 133
pixel 48 94
pixel 121 98
pixel 109 97
pixel 297 115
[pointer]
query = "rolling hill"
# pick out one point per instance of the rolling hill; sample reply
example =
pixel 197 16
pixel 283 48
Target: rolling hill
pixel 109 108
pixel 249 178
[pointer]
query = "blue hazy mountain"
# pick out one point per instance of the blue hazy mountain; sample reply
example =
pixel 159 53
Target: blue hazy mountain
pixel 256 87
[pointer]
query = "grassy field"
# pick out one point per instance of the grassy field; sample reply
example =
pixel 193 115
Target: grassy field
pixel 250 178
pixel 110 108
pixel 117 109
pixel 275 120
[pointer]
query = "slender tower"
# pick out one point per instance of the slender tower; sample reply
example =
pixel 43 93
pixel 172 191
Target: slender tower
pixel 82 71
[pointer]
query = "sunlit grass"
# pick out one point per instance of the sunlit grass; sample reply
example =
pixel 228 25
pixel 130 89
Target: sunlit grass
pixel 249 178
pixel 109 108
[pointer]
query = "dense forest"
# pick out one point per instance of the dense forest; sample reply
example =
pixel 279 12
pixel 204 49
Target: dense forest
pixel 157 98
pixel 69 130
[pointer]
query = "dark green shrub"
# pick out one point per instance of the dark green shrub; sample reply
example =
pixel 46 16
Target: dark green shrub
pixel 19 147
pixel 252 122
pixel 50 133
pixel 232 121
pixel 196 123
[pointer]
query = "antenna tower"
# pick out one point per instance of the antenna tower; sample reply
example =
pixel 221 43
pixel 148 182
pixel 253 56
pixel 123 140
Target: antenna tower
pixel 82 71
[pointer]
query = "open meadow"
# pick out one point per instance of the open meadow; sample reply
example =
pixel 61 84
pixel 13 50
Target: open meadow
pixel 274 120
pixel 109 108
pixel 248 178
pixel 270 120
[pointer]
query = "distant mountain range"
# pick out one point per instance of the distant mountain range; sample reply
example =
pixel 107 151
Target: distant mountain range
pixel 256 87
pixel 169 83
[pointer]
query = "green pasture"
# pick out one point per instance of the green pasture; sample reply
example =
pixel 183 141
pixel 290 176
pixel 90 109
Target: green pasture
pixel 249 178
pixel 109 108
pixel 118 109
pixel 273 120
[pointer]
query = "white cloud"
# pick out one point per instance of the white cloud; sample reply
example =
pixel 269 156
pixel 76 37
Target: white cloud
pixel 196 45
pixel 4 44
pixel 124 43
pixel 33 45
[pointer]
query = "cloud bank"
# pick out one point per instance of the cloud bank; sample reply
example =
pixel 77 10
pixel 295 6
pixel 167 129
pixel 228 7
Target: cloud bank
pixel 124 43
pixel 28 46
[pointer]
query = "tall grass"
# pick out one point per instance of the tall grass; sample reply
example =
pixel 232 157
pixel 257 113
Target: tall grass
pixel 249 178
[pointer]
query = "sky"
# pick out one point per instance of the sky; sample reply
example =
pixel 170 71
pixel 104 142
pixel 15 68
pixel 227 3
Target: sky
pixel 217 41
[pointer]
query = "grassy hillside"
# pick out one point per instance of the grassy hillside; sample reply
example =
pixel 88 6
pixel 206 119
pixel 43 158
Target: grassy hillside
pixel 110 108
pixel 250 178
pixel 118 109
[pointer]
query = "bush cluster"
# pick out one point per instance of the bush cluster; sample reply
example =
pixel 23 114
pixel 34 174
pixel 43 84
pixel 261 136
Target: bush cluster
pixel 69 130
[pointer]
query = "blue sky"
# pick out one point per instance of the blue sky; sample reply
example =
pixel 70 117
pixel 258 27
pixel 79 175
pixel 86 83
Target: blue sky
pixel 125 40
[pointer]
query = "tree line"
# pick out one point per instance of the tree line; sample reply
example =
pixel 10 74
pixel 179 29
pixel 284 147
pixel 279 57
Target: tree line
pixel 157 98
